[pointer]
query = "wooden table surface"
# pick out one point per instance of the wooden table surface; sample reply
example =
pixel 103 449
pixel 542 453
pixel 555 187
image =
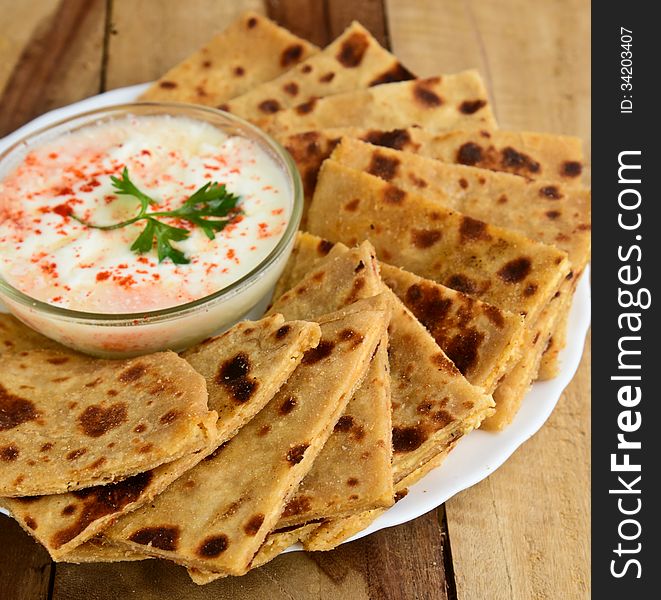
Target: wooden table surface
pixel 523 533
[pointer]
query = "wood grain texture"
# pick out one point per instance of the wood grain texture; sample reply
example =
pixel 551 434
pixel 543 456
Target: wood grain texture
pixel 61 63
pixel 25 567
pixel 24 19
pixel 321 21
pixel 524 532
pixel 147 38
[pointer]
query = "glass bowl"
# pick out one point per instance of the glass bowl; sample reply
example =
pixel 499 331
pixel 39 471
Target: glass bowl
pixel 174 328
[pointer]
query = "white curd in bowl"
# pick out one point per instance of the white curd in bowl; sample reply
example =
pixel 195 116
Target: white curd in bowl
pixel 49 185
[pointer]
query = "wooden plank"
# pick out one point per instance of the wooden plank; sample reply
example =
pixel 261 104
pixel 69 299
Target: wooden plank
pixel 306 18
pixel 371 13
pixel 25 567
pixel 147 38
pixel 527 527
pixel 60 64
pixel 524 532
pixel 321 21
pixel 20 20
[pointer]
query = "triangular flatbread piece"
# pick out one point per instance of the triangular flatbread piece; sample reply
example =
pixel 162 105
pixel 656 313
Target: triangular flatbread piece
pixel 230 501
pixel 334 532
pixel 542 211
pixel 69 421
pixel 495 265
pixel 482 340
pixel 100 550
pixel 439 103
pixel 275 544
pixel 432 402
pixel 243 368
pixel 514 386
pixel 540 156
pixel 250 51
pixel 355 60
pixel 352 472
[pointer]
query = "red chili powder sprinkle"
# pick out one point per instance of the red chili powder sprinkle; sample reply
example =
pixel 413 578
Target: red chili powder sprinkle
pixel 89 186
pixel 63 191
pixel 49 269
pixel 102 276
pixel 125 281
pixel 146 153
pixel 231 253
pixel 64 210
pixel 53 155
pixel 277 211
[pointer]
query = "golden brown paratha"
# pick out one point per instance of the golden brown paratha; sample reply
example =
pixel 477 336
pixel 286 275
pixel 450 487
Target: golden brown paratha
pixel 233 499
pixel 432 402
pixel 549 365
pixel 439 103
pixel 352 472
pixel 541 156
pixel 513 387
pixel 250 51
pixel 495 265
pixel 71 421
pixel 332 533
pixel 244 368
pixel 355 60
pixel 544 211
pixel 482 340
pixel 99 550
pixel 275 543
pixel 541 210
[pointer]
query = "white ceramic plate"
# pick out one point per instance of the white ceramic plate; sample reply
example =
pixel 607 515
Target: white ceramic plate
pixel 478 454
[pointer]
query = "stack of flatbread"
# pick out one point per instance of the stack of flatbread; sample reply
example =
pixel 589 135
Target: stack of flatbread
pixel 429 289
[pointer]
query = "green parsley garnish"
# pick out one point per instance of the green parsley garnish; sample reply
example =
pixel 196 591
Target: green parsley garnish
pixel 211 208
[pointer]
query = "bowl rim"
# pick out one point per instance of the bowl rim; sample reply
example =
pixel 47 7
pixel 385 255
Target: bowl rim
pixel 178 310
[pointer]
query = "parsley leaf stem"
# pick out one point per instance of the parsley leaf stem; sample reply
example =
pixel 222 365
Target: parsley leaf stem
pixel 211 200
